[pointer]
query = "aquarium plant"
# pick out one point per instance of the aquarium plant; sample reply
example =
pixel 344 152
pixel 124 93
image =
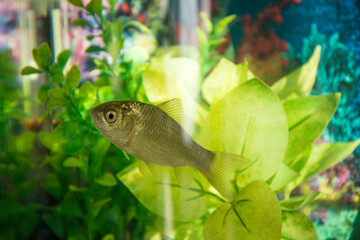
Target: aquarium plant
pixel 337 71
pixel 276 128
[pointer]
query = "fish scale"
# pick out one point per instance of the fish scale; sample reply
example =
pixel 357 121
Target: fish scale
pixel 173 146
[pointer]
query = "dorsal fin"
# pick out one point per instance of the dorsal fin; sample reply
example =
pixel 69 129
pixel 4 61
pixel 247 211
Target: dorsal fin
pixel 173 108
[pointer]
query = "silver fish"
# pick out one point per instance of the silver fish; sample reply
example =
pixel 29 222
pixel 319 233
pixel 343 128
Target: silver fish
pixel 148 133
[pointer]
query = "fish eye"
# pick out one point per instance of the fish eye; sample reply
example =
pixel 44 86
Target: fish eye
pixel 111 116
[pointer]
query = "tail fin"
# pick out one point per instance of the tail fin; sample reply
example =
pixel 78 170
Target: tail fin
pixel 222 171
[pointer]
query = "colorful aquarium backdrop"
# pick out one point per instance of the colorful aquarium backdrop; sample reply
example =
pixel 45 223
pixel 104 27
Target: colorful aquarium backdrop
pixel 276 82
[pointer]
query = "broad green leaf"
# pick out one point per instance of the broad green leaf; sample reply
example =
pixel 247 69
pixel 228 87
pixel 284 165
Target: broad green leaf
pixel 73 77
pixel 42 56
pixel 223 78
pixel 248 121
pixel 73 162
pixel 166 199
pixel 301 81
pixel 324 156
pixel 221 27
pixel 307 118
pixel 81 22
pixel 138 25
pixel 107 180
pixel 297 226
pixel 208 26
pixel 29 70
pixel 63 57
pixel 297 202
pixel 54 223
pixel 284 176
pixel 257 216
pixel 57 97
pixel 77 3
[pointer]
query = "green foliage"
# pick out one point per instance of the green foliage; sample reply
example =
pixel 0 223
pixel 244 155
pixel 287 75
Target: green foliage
pixel 276 128
pixel 210 37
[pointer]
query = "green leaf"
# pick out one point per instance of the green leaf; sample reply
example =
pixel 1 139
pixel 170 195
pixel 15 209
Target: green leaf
pixel 257 216
pixel 29 70
pixel 307 118
pixel 54 223
pixel 223 78
pixel 52 185
pixel 81 22
pixel 43 92
pixel 297 226
pixel 173 78
pixel 42 56
pixel 301 81
pixel 221 27
pixel 64 132
pixel 94 48
pixel 63 57
pixel 88 95
pixel 324 156
pixel 108 236
pixel 94 7
pixel 283 177
pixel 73 145
pixel 185 204
pixel 249 121
pixel 203 43
pixel 107 180
pixel 137 25
pixel 57 75
pixel 77 3
pixel 208 26
pixel 115 48
pixel 73 162
pixel 73 77
pixel 298 202
pixel 57 97
pixel 105 94
pixel 69 208
pixel 74 188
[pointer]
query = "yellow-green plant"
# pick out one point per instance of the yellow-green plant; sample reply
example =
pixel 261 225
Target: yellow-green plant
pixel 276 127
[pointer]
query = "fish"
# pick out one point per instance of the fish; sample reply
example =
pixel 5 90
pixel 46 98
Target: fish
pixel 154 135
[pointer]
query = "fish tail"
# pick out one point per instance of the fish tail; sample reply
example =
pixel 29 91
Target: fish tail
pixel 222 171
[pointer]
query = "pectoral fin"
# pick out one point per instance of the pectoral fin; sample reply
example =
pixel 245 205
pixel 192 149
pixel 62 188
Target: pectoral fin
pixel 143 168
pixel 183 176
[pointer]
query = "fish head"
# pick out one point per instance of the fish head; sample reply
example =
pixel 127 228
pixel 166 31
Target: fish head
pixel 113 119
